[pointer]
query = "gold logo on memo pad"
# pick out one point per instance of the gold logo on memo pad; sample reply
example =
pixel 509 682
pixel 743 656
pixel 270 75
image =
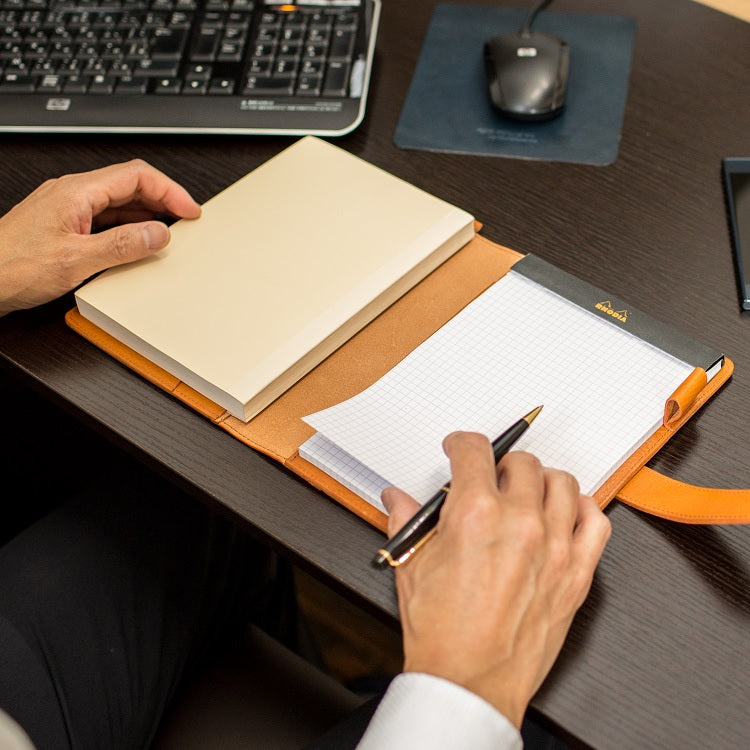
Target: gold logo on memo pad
pixel 621 315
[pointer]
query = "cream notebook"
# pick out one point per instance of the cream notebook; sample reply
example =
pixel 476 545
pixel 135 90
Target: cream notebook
pixel 281 268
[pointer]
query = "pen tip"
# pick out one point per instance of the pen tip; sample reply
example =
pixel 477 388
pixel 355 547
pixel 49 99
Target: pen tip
pixel 532 415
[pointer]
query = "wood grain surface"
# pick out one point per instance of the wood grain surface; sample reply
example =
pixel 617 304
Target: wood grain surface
pixel 657 657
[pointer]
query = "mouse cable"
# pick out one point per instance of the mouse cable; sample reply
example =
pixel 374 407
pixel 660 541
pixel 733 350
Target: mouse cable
pixel 525 29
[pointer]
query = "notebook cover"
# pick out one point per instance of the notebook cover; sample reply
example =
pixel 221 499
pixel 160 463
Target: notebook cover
pixel 278 431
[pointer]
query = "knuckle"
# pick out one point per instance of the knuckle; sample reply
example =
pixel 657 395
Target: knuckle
pixel 472 440
pixel 559 556
pixel 530 531
pixel 121 245
pixel 523 459
pixel 572 482
pixel 564 479
pixel 481 512
pixel 138 165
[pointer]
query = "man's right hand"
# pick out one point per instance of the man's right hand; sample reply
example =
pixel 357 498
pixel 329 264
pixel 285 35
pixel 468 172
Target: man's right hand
pixel 488 601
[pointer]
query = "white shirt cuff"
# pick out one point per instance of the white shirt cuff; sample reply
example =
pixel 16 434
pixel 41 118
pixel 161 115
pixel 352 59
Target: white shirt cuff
pixel 423 711
pixel 12 737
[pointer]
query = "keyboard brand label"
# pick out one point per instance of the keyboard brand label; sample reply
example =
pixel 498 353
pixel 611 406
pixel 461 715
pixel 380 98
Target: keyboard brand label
pixel 57 105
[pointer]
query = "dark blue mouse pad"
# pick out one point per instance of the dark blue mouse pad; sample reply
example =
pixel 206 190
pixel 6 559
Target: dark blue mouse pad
pixel 448 109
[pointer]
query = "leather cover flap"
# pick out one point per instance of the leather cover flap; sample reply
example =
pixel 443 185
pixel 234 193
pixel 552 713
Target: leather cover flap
pixel 662 496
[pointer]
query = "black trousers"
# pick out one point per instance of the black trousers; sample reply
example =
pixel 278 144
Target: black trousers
pixel 109 600
pixel 114 585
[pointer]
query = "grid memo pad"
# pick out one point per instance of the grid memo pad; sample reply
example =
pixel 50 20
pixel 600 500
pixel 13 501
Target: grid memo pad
pixel 517 346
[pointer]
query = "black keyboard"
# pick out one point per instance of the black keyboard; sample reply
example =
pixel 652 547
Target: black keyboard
pixel 209 66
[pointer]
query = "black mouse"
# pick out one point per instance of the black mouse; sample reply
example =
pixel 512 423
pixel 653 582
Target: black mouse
pixel 527 74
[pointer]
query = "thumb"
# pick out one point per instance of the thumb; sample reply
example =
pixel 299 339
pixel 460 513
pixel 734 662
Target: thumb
pixel 128 242
pixel 400 506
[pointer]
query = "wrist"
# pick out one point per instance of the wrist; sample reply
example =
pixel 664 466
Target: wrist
pixel 502 694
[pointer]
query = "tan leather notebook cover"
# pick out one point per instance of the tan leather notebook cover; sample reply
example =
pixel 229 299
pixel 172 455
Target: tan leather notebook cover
pixel 278 431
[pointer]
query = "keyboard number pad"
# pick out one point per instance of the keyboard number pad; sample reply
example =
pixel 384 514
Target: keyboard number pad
pixel 303 52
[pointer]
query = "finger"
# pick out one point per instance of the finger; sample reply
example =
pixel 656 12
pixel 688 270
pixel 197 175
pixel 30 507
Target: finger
pixel 561 501
pixel 591 535
pixel 472 465
pixel 136 181
pixel 400 506
pixel 124 215
pixel 122 244
pixel 521 478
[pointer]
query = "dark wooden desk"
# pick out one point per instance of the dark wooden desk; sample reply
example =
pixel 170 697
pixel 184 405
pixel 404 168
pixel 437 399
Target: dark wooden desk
pixel 658 655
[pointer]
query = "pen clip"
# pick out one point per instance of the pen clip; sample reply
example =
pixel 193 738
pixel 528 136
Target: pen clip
pixel 406 556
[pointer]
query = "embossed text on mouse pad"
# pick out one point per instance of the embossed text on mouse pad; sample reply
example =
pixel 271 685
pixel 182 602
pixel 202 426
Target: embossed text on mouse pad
pixel 447 107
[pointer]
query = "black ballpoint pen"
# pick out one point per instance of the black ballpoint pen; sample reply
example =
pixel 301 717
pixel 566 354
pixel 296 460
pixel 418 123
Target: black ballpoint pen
pixel 421 526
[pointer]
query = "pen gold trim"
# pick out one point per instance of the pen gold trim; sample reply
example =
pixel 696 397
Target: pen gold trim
pixel 395 563
pixel 422 525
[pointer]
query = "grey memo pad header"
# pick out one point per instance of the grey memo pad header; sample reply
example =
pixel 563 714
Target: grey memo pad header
pixel 618 313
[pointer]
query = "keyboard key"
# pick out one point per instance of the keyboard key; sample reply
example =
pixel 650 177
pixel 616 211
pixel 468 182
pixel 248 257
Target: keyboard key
pixel 285 66
pixel 315 51
pixel 198 72
pixel 268 86
pixel 50 84
pixel 267 35
pixel 312 67
pixel 223 86
pixel 205 45
pixel 309 85
pixel 342 45
pixel 167 86
pixel 336 79
pixel 264 50
pixel 229 52
pixel 131 86
pixel 102 84
pixel 17 83
pixel 168 44
pixel 195 86
pixel 75 84
pixel 155 68
pixel 319 35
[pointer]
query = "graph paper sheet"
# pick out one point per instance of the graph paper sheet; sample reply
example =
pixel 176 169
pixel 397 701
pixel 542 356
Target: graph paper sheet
pixel 515 347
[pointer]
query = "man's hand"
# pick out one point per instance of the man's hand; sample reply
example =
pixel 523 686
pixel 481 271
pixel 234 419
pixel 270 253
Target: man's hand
pixel 488 601
pixel 46 245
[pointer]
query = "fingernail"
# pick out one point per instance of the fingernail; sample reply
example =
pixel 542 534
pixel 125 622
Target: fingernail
pixel 156 235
